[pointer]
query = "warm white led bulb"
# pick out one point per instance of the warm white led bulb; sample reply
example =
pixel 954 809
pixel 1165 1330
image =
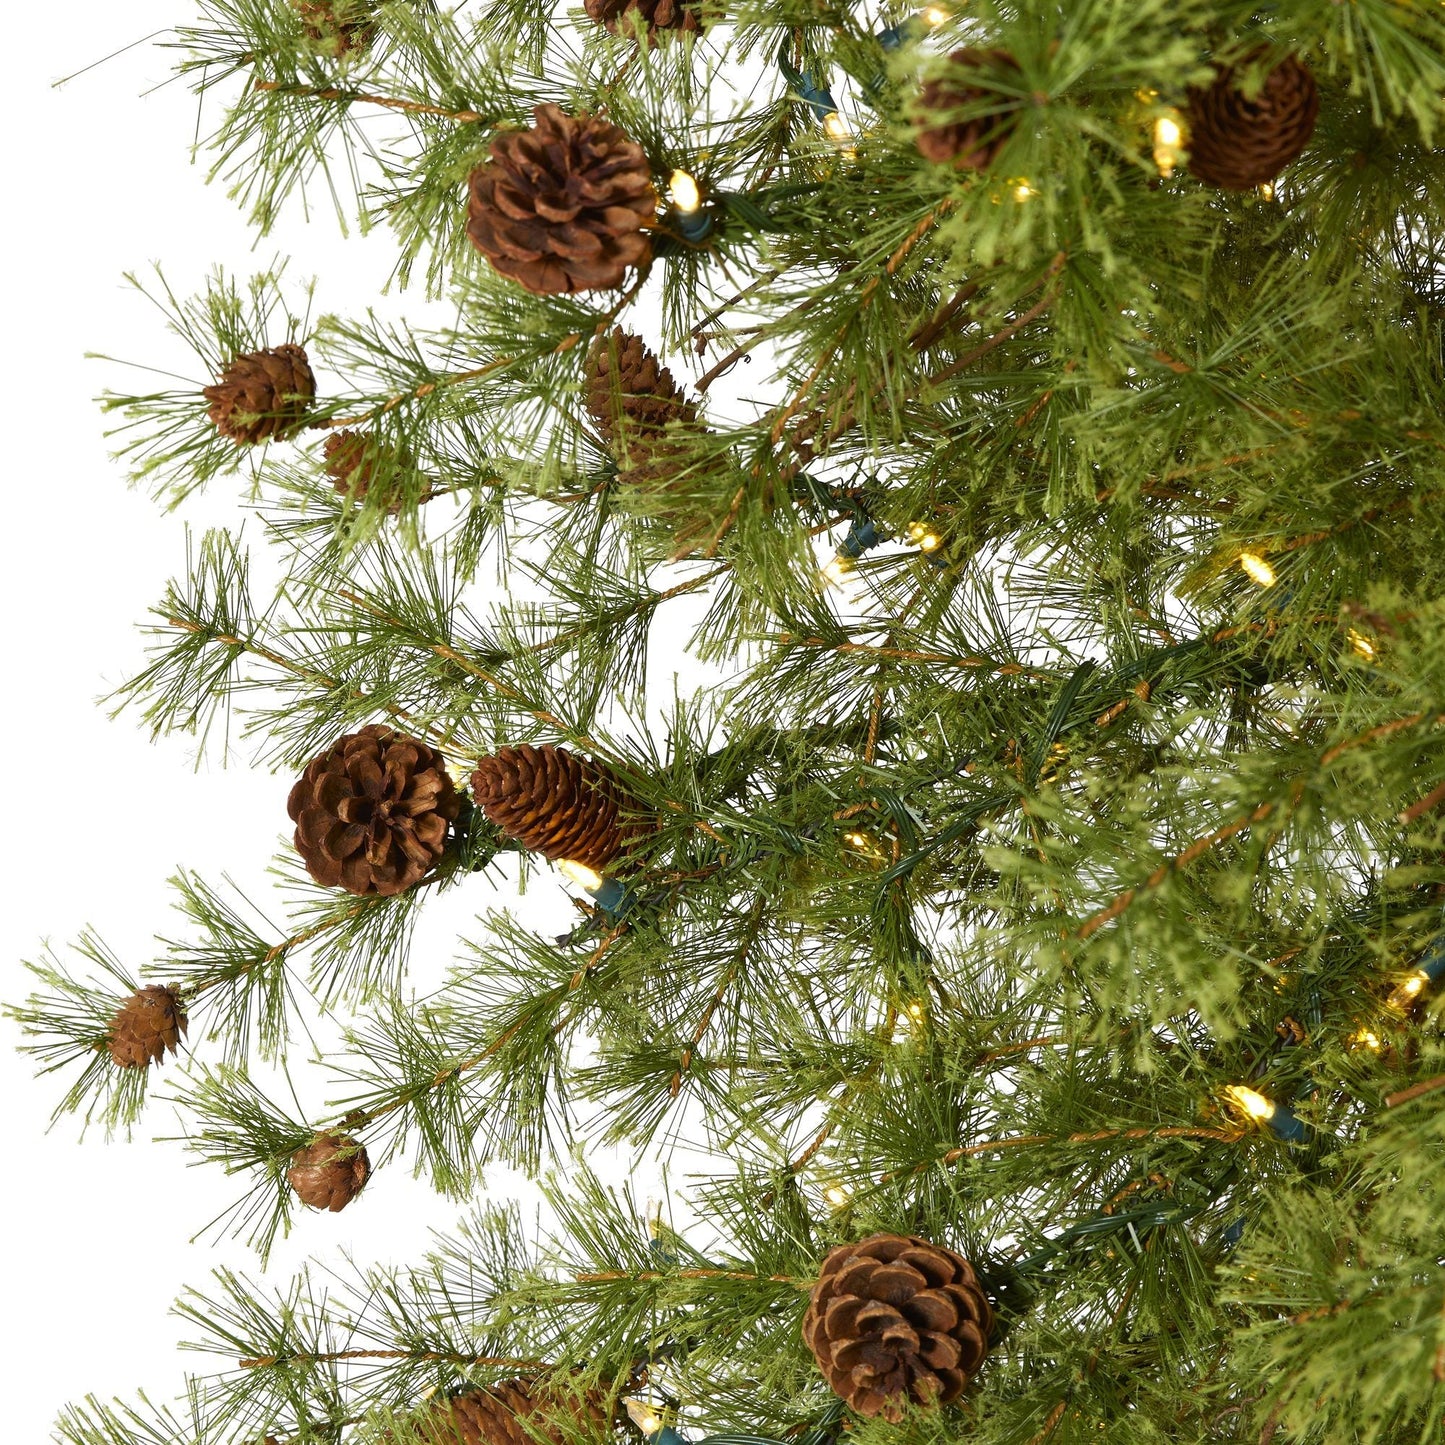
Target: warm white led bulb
pixel 644 1416
pixel 836 570
pixel 1252 1103
pixel 1257 569
pixel 933 16
pixel 589 878
pixel 837 1195
pixel 1168 139
pixel 683 192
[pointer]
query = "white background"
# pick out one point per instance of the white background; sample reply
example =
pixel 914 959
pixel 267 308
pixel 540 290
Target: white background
pixel 99 182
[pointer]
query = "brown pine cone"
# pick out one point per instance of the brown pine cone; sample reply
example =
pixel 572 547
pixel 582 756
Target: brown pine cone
pixel 371 812
pixel 1236 143
pixel 630 393
pixel 148 1023
pixel 352 462
pixel 262 394
pixel 513 1412
pixel 556 804
pixel 341 26
pixel 893 1319
pixel 564 206
pixel 329 1172
pixel 973 144
pixel 655 14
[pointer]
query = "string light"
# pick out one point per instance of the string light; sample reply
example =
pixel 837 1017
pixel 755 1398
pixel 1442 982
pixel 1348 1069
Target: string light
pixel 923 537
pixel 836 570
pixel 836 129
pixel 1168 142
pixel 1364 1039
pixel 1266 190
pixel 933 16
pixel 863 843
pixel 610 895
pixel 1404 994
pixel 837 1196
pixel 1279 1119
pixel 1257 569
pixel 1364 645
pixel 686 198
pixel 1023 190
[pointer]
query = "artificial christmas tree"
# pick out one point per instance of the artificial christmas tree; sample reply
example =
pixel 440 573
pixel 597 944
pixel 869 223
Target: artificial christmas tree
pixel 1021 771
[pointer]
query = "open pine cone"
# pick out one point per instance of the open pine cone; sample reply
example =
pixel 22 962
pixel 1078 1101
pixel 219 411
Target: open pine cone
pixel 371 812
pixel 655 14
pixel 150 1022
pixel 262 394
pixel 895 1319
pixel 329 1172
pixel 972 144
pixel 556 804
pixel 511 1412
pixel 1236 143
pixel 564 206
pixel 341 26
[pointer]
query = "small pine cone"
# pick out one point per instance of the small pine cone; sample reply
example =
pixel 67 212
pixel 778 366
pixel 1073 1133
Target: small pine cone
pixel 341 26
pixel 262 394
pixel 513 1412
pixel 630 394
pixel 564 206
pixel 556 804
pixel 1236 143
pixel 352 462
pixel 145 1026
pixel 371 812
pixel 972 144
pixel 329 1172
pixel 655 14
pixel 894 1319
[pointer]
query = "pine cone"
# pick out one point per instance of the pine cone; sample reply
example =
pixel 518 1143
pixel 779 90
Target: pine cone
pixel 262 394
pixel 352 462
pixel 148 1023
pixel 513 1412
pixel 630 394
pixel 371 812
pixel 1237 144
pixel 556 804
pixel 564 206
pixel 341 26
pixel 894 1318
pixel 973 144
pixel 655 14
pixel 329 1172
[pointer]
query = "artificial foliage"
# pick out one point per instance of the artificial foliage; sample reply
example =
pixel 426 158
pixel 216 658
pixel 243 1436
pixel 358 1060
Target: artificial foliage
pixel 1050 868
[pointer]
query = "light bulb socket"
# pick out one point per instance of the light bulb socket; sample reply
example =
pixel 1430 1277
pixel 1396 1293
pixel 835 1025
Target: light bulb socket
pixel 692 225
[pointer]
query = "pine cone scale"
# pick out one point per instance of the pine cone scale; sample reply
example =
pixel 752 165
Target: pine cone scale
pixel 148 1025
pixel 262 394
pixel 1237 143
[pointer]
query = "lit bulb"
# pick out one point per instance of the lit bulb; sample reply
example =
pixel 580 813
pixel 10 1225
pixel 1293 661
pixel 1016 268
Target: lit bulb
pixel 1257 569
pixel 837 131
pixel 1023 191
pixel 837 1196
pixel 682 191
pixel 1253 1104
pixel 1365 1039
pixel 915 1010
pixel 647 1419
pixel 1408 990
pixel 589 878
pixel 1168 139
pixel 836 571
pixel 1266 190
pixel 1363 644
pixel 923 537
pixel 933 16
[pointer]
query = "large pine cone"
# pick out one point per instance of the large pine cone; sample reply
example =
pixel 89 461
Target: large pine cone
pixel 973 144
pixel 630 394
pixel 564 206
pixel 557 804
pixel 655 14
pixel 893 1319
pixel 341 26
pixel 329 1172
pixel 371 812
pixel 262 394
pixel 145 1026
pixel 513 1412
pixel 1237 144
